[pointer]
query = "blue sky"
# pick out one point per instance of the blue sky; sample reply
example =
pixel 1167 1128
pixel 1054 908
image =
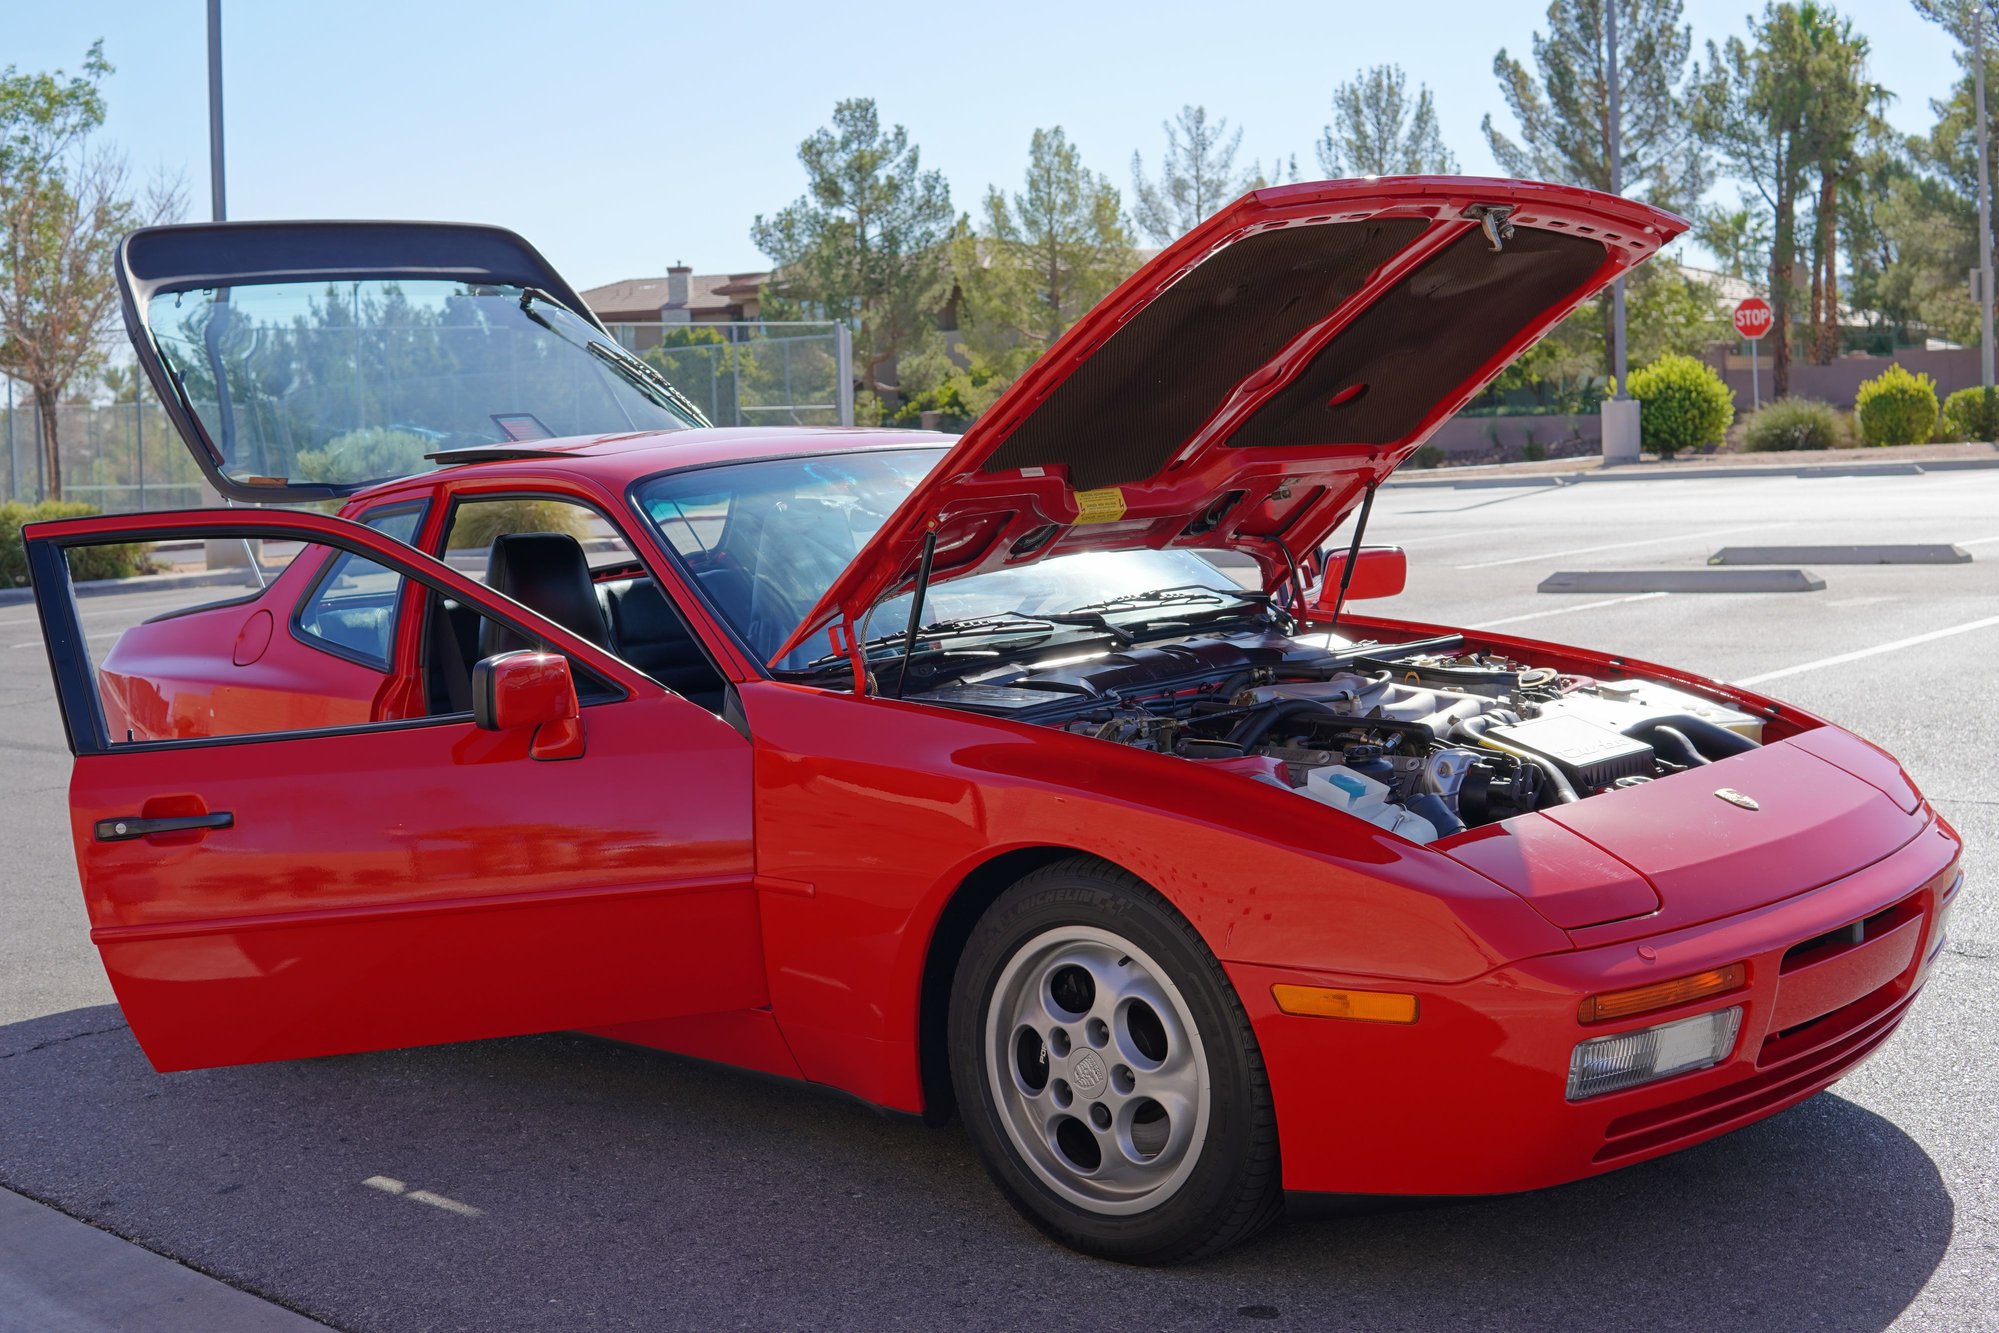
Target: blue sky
pixel 623 137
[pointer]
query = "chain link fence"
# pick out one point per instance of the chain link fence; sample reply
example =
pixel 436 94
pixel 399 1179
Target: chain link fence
pixel 762 373
pixel 124 457
pixel 120 457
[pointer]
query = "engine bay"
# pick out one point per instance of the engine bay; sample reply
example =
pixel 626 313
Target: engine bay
pixel 1426 739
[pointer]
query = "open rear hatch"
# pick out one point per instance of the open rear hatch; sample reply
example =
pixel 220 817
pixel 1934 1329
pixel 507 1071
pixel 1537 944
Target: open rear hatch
pixel 308 360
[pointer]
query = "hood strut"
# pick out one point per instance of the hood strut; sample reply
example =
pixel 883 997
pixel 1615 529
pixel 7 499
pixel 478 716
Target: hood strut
pixel 1353 550
pixel 916 605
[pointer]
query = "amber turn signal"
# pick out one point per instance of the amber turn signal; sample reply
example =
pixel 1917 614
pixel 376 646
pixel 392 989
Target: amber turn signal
pixel 1369 1006
pixel 1662 994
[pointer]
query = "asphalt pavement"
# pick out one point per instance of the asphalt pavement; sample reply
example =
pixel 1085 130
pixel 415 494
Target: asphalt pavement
pixel 564 1182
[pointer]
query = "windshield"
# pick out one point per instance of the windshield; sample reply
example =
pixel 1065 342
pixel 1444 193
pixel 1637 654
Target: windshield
pixel 766 540
pixel 345 383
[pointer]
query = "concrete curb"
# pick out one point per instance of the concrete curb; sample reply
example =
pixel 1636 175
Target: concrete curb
pixel 59 1275
pixel 1933 553
pixel 1682 580
pixel 206 578
pixel 1695 474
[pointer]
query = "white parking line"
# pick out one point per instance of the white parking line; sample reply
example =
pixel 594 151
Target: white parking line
pixel 1564 610
pixel 1619 546
pixel 1875 651
pixel 1979 541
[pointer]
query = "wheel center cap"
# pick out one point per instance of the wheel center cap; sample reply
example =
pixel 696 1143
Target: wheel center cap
pixel 1088 1075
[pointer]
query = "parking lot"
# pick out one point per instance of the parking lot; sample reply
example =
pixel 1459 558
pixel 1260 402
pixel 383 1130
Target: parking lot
pixel 563 1181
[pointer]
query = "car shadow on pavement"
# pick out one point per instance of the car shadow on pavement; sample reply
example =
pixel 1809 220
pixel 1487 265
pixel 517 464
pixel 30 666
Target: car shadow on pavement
pixel 563 1181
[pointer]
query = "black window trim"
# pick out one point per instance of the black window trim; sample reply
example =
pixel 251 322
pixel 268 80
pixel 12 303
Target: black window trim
pixel 296 622
pixel 457 499
pixel 75 674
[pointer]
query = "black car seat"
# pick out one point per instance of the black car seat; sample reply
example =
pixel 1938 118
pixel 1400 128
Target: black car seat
pixel 548 573
pixel 652 637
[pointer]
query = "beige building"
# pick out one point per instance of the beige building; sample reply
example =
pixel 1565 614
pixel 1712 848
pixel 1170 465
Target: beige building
pixel 681 296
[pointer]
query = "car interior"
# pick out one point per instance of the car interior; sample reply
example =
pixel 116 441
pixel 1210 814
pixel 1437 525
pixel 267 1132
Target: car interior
pixel 617 607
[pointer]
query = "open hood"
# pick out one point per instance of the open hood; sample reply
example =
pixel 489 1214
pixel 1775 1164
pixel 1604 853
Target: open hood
pixel 1245 387
pixel 307 360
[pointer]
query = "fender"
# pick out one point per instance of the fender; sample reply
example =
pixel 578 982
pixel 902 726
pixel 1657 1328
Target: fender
pixel 891 815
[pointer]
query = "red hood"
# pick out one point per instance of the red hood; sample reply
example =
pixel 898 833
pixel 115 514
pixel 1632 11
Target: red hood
pixel 1244 388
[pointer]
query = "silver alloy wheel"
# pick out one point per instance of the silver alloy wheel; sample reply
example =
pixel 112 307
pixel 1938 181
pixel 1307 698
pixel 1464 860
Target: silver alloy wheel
pixel 1097 1070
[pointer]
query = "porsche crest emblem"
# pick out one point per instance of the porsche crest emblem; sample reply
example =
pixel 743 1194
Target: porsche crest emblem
pixel 1734 797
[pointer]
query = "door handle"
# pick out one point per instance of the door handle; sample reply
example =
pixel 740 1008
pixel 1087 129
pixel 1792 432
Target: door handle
pixel 124 828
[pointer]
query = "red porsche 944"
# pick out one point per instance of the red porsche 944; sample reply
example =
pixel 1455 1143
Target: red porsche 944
pixel 952 773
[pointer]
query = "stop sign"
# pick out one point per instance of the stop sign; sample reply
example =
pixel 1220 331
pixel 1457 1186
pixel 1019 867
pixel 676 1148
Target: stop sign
pixel 1752 318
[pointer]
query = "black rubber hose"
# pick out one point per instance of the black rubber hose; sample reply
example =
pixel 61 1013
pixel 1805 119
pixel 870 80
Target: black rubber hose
pixel 1431 807
pixel 1713 742
pixel 1554 782
pixel 1672 745
pixel 1256 728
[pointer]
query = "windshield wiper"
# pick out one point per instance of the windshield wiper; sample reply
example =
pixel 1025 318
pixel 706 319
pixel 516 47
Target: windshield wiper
pixel 1174 596
pixel 932 638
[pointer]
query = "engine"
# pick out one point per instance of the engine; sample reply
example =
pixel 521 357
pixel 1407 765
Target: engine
pixel 1426 745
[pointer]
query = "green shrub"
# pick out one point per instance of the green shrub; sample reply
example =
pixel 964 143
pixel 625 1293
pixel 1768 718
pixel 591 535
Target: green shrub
pixel 85 562
pixel 1970 414
pixel 374 453
pixel 1896 407
pixel 478 522
pixel 1427 456
pixel 1686 405
pixel 1792 423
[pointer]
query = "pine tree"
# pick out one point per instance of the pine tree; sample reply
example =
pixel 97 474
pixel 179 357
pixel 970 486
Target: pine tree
pixel 1197 175
pixel 867 241
pixel 1377 131
pixel 1564 114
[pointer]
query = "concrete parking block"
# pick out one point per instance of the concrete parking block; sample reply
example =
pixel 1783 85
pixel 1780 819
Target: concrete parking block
pixel 1930 553
pixel 1682 580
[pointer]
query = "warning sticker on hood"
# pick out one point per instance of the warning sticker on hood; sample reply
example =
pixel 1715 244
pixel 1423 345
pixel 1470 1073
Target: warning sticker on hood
pixel 1100 506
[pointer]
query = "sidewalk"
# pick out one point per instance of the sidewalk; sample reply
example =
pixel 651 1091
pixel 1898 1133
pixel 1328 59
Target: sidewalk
pixel 59 1275
pixel 1906 460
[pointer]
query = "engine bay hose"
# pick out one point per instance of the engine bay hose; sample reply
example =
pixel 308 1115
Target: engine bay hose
pixel 1672 744
pixel 1555 784
pixel 1712 741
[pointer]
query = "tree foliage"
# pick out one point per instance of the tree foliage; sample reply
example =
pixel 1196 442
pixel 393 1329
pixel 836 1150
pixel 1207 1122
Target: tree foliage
pixel 1562 110
pixel 64 204
pixel 1197 175
pixel 866 242
pixel 1790 101
pixel 1563 107
pixel 1377 130
pixel 1042 259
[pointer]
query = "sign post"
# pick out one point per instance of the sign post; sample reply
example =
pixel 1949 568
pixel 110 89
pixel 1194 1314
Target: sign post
pixel 1752 320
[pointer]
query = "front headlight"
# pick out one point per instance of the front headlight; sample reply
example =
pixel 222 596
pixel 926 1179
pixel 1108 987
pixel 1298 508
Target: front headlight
pixel 1609 1064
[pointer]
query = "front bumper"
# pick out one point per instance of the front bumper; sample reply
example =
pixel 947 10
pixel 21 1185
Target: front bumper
pixel 1471 1098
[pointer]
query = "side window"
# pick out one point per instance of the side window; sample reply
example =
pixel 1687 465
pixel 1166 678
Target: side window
pixel 477 523
pixel 567 562
pixel 351 609
pixel 196 659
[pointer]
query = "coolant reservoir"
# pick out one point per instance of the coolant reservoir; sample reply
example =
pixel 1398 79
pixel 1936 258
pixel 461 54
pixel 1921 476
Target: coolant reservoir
pixel 1358 794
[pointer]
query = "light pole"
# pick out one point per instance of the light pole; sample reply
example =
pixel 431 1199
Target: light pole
pixel 1980 15
pixel 1622 437
pixel 221 554
pixel 1616 187
pixel 218 206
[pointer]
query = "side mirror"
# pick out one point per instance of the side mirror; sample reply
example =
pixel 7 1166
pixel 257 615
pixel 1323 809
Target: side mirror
pixel 1381 571
pixel 528 691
